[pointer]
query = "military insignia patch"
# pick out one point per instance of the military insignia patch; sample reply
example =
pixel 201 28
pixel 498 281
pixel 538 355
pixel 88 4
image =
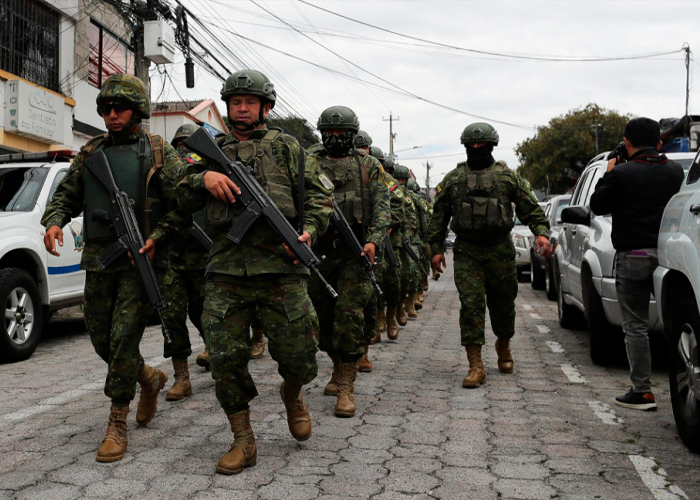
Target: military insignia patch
pixel 392 186
pixel 325 181
pixel 194 158
pixel 438 189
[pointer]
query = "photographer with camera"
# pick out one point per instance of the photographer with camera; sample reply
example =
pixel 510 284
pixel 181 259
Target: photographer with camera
pixel 635 190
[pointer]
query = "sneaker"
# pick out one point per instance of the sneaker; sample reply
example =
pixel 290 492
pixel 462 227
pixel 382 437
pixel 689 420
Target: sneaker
pixel 637 401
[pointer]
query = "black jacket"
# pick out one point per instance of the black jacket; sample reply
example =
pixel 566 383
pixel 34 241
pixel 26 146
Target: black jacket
pixel 636 193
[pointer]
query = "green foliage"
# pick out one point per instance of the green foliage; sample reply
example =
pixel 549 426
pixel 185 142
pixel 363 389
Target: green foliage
pixel 560 150
pixel 297 127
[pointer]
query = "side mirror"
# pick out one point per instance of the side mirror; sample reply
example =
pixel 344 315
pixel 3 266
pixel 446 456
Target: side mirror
pixel 577 215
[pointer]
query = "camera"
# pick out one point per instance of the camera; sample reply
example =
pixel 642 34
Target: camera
pixel 619 154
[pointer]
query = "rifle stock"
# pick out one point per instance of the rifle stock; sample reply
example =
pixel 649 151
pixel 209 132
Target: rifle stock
pixel 406 245
pixel 129 238
pixel 256 203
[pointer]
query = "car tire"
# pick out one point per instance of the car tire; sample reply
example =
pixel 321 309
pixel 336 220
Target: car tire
pixel 523 277
pixel 23 315
pixel 605 339
pixel 569 316
pixel 684 372
pixel 550 282
pixel 537 275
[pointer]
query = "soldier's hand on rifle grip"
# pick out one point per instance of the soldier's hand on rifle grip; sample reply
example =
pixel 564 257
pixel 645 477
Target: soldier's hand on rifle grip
pixel 369 250
pixel 220 186
pixel 304 238
pixel 439 262
pixel 52 234
pixel 544 247
pixel 149 247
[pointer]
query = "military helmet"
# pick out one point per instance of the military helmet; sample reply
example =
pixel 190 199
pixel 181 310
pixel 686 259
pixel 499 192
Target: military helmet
pixel 183 132
pixel 249 82
pixel 127 89
pixel 479 132
pixel 377 153
pixel 388 164
pixel 412 184
pixel 338 117
pixel 362 139
pixel 401 172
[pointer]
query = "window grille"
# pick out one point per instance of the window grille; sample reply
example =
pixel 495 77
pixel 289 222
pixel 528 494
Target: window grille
pixel 108 56
pixel 29 41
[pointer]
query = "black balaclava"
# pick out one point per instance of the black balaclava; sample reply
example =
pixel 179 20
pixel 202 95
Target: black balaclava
pixel 480 158
pixel 338 145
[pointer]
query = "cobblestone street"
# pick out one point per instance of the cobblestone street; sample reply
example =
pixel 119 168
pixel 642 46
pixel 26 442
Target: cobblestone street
pixel 549 430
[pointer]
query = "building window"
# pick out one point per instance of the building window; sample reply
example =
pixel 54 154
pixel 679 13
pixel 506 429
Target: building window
pixel 108 56
pixel 29 41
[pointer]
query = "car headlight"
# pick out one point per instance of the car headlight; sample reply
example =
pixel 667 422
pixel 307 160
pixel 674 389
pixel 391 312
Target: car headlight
pixel 519 240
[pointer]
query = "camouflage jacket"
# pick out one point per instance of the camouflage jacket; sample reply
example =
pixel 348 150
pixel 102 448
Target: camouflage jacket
pixel 423 209
pixel 449 203
pixel 261 250
pixel 411 222
pixel 69 200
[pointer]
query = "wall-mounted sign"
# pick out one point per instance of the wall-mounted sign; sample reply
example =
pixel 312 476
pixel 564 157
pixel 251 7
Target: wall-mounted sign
pixel 33 112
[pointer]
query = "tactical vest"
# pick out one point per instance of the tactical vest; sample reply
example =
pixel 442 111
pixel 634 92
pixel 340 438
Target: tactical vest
pixel 479 203
pixel 275 180
pixel 132 177
pixel 345 174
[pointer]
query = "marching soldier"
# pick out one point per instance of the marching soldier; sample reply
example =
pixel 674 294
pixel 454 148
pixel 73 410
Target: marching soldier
pixel 117 308
pixel 409 268
pixel 476 199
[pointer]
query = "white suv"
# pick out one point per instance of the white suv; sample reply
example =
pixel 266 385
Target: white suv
pixel 584 267
pixel 677 292
pixel 33 283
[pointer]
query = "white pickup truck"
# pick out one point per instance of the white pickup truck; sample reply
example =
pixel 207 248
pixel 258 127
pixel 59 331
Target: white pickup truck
pixel 33 283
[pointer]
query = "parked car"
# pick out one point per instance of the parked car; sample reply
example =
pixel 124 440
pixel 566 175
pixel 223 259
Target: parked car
pixel 584 267
pixel 33 283
pixel 677 292
pixel 541 269
pixel 522 239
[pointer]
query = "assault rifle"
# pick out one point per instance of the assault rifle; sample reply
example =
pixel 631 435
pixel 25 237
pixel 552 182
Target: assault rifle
pixel 406 245
pixel 390 255
pixel 256 203
pixel 199 236
pixel 129 238
pixel 353 244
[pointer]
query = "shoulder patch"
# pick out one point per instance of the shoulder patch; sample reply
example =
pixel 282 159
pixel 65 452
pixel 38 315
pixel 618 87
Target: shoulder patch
pixel 438 189
pixel 325 181
pixel 392 186
pixel 193 158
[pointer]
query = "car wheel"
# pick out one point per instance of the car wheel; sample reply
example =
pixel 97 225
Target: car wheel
pixel 569 316
pixel 537 274
pixel 605 339
pixel 684 372
pixel 523 277
pixel 23 315
pixel 550 282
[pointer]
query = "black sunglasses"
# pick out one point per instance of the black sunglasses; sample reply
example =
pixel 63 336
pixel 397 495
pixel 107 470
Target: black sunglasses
pixel 105 108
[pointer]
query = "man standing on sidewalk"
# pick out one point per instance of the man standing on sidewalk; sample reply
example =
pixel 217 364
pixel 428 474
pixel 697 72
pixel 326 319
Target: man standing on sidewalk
pixel 635 193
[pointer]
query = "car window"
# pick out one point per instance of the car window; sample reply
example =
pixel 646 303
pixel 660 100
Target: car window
pixel 694 172
pixel 59 176
pixel 588 189
pixel 561 206
pixel 19 188
pixel 579 186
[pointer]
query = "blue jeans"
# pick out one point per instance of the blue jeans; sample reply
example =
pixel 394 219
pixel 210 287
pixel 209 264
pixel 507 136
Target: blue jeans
pixel 634 285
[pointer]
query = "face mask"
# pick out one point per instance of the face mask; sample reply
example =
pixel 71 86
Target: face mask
pixel 338 145
pixel 480 158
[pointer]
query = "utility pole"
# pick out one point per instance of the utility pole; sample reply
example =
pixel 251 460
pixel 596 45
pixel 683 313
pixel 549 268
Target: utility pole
pixel 686 47
pixel 427 179
pixel 392 136
pixel 596 127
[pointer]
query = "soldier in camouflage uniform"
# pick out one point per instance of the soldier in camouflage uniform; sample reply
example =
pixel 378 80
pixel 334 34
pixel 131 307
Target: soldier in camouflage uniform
pixel 388 275
pixel 258 275
pixel 478 197
pixel 362 195
pixel 423 208
pixel 117 308
pixel 409 268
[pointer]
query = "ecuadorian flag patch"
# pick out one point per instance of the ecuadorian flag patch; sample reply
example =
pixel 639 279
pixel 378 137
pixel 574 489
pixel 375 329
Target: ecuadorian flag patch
pixel 392 186
pixel 194 158
pixel 438 189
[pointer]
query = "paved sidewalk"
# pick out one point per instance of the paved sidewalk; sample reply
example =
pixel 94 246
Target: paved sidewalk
pixel 538 433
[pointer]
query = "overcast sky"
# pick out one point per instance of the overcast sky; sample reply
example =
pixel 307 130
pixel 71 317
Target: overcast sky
pixel 515 94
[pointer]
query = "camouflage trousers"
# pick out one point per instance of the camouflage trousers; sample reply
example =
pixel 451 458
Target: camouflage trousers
pixel 183 292
pixel 389 282
pixel 486 276
pixel 116 314
pixel 287 316
pixel 341 321
pixel 407 272
pixel 418 277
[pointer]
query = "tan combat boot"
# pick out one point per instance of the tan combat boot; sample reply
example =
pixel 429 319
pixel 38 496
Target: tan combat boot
pixel 364 364
pixel 243 452
pixel 401 317
pixel 418 304
pixel 377 338
pixel 477 372
pixel 345 405
pixel 392 328
pixel 152 382
pixel 298 418
pixel 258 344
pixel 408 304
pixel 114 444
pixel 182 386
pixel 203 359
pixel 331 388
pixel 381 321
pixel 425 287
pixel 505 358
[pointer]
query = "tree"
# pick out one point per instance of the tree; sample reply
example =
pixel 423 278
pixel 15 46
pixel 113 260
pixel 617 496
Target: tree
pixel 297 127
pixel 556 156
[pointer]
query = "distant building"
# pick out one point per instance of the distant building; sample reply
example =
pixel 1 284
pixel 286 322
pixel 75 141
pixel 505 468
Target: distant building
pixel 167 117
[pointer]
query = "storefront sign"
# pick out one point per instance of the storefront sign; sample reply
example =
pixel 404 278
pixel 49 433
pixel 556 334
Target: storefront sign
pixel 33 112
